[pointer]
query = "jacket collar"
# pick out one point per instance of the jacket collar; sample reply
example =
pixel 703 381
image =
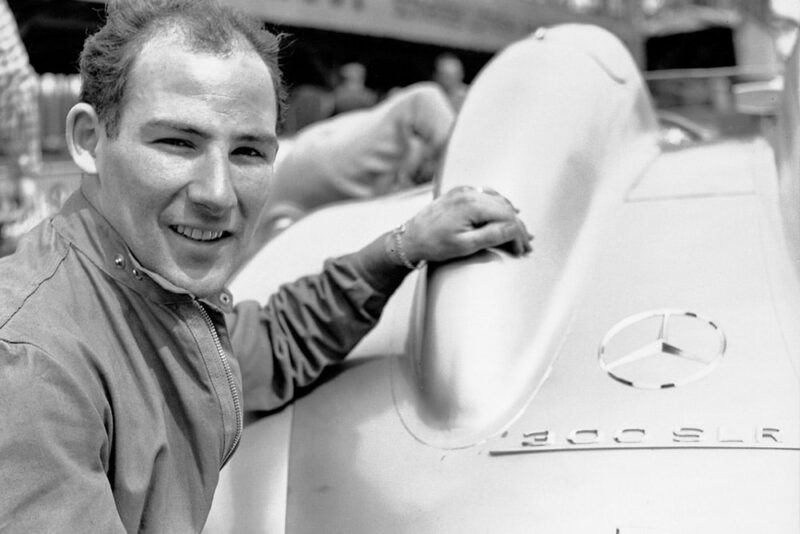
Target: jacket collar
pixel 90 233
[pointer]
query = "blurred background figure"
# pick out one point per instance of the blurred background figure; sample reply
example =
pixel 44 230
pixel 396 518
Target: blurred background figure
pixel 448 72
pixel 20 136
pixel 311 93
pixel 351 93
pixel 394 145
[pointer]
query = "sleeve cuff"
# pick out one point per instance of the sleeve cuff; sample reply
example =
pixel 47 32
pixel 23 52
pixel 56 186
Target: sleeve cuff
pixel 374 264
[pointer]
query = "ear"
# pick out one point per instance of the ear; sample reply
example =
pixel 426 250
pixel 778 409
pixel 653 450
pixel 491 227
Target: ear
pixel 83 134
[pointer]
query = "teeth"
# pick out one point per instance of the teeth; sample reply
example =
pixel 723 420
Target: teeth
pixel 197 234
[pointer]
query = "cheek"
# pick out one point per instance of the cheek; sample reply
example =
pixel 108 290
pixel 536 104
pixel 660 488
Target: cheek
pixel 132 190
pixel 253 191
pixel 122 164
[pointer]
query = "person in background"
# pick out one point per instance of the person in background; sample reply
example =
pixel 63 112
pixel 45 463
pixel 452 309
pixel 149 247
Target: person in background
pixel 126 372
pixel 311 97
pixel 352 93
pixel 448 72
pixel 20 139
pixel 362 154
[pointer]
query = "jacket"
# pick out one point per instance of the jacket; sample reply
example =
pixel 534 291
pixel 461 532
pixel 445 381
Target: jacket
pixel 120 400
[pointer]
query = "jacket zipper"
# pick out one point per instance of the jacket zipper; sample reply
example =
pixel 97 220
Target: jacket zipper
pixel 237 404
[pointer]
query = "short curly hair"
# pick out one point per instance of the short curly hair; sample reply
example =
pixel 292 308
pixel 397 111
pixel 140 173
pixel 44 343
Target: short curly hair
pixel 207 26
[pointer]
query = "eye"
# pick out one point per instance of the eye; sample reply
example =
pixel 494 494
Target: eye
pixel 174 142
pixel 249 152
pixel 249 155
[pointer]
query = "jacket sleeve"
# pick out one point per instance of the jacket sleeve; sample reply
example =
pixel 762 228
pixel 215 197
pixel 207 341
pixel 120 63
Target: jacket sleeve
pixel 52 443
pixel 309 324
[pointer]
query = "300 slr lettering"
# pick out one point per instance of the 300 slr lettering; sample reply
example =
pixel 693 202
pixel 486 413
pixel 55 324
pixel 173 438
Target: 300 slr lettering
pixel 633 435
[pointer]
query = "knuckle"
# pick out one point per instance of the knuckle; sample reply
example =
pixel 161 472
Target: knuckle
pixel 460 190
pixel 467 244
pixel 508 231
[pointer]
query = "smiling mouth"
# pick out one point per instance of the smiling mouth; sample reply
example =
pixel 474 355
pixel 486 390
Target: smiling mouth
pixel 196 234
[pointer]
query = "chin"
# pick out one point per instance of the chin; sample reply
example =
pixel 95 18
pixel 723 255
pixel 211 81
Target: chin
pixel 200 286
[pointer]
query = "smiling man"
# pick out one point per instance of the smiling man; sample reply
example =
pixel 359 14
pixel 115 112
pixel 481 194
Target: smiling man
pixel 125 370
pixel 191 158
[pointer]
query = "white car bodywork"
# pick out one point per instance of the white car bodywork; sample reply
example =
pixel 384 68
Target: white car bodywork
pixel 639 372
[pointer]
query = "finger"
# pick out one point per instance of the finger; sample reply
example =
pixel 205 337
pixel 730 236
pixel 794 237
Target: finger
pixel 515 236
pixel 526 247
pixel 493 234
pixel 515 248
pixel 486 209
pixel 479 191
pixel 494 193
pixel 519 248
pixel 521 244
pixel 487 190
pixel 526 238
pixel 522 247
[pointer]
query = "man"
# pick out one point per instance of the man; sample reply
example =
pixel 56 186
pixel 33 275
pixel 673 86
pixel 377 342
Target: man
pixel 351 93
pixel 392 146
pixel 448 72
pixel 125 372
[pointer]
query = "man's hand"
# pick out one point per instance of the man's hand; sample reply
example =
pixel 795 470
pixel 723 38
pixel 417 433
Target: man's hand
pixel 463 221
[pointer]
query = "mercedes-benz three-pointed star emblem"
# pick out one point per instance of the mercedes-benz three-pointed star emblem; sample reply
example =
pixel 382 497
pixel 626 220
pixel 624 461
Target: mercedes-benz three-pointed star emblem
pixel 661 349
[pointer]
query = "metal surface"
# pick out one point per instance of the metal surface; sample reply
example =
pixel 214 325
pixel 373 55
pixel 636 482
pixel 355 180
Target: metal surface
pixel 479 405
pixel 661 349
pixel 716 455
pixel 486 328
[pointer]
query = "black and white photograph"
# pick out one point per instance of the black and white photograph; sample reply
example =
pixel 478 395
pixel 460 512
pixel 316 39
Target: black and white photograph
pixel 400 266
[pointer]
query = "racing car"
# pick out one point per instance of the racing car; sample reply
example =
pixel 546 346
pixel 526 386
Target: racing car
pixel 637 373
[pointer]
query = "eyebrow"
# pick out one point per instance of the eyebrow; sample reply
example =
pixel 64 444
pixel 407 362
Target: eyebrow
pixel 175 125
pixel 265 138
pixel 268 139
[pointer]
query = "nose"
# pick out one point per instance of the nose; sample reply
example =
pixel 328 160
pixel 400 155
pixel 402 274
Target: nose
pixel 212 186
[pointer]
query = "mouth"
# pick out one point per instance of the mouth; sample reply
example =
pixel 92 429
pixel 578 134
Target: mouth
pixel 199 235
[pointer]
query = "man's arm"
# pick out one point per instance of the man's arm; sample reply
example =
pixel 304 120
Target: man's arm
pixel 52 445
pixel 317 320
pixel 304 327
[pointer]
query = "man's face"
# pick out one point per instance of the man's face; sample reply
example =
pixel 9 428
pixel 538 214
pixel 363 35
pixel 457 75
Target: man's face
pixel 185 179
